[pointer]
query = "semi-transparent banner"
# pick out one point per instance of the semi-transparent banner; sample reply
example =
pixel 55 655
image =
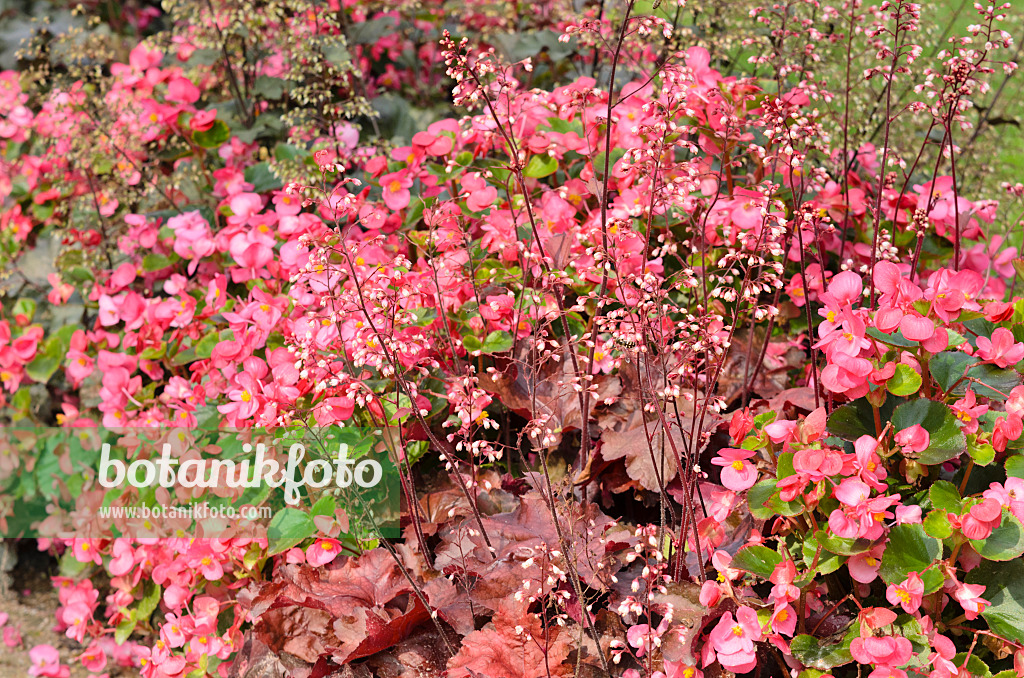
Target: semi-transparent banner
pixel 151 483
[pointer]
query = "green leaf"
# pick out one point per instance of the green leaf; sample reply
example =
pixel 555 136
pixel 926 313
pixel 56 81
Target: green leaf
pixel 910 549
pixel 906 381
pixel 218 134
pixel 204 347
pixel 25 307
pixel 1004 589
pixel 261 178
pixel 936 524
pixel 1015 466
pixel 540 166
pixel 944 495
pixel 157 262
pixel 983 454
pixel 827 561
pixel 497 342
pixel 471 343
pixel 853 420
pixel 894 339
pixel 1006 541
pixel 757 559
pixel 765 502
pixel 125 628
pixel 823 654
pixel 287 528
pixel 947 441
pixel 147 605
pixel 47 361
pixel 949 367
pixel 841 545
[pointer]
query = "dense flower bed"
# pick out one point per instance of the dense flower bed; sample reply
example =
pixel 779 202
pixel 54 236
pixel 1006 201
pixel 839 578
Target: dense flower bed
pixel 678 381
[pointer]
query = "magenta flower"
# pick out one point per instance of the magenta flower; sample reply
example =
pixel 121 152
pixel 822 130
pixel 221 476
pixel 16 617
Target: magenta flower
pixel 737 473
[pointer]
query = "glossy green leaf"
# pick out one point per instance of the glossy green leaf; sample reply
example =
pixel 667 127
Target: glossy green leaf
pixel 909 549
pixel 1004 589
pixel 947 441
pixel 540 166
pixel 906 381
pixel 218 134
pixel 948 367
pixel 1006 541
pixel 757 559
pixel 936 524
pixel 288 527
pixel 497 342
pixel 944 495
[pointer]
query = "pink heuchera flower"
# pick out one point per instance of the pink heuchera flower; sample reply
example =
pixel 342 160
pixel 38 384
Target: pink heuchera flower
pixel 1001 349
pixel 733 640
pixel 907 594
pixel 738 474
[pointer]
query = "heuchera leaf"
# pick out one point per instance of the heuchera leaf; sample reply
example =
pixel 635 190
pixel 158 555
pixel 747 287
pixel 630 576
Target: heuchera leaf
pixel 947 441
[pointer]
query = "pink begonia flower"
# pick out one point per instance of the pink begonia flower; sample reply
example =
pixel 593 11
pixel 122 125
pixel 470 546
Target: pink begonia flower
pixel 94 658
pixel 884 651
pixel 46 662
pixel 323 551
pixel 396 190
pixel 784 620
pixel 1001 349
pixel 733 640
pixel 941 659
pixel 12 637
pixel 907 594
pixel 182 91
pixel 817 463
pixel 967 411
pixel 982 519
pixel 969 597
pixel 737 473
pixel 864 566
pixel 908 515
pixel 642 637
pixel 480 195
pixel 710 593
pixel 913 439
